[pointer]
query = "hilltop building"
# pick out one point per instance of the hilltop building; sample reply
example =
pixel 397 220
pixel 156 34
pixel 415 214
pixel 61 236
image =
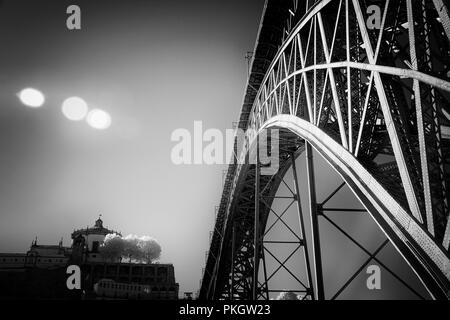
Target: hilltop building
pixel 86 242
pixel 102 278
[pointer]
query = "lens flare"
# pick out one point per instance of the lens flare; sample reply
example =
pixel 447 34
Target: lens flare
pixel 31 97
pixel 98 119
pixel 74 108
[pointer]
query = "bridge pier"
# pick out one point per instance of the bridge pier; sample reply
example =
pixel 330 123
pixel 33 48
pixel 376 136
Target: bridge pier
pixel 302 227
pixel 257 236
pixel 320 294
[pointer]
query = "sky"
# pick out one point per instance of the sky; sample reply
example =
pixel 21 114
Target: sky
pixel 154 66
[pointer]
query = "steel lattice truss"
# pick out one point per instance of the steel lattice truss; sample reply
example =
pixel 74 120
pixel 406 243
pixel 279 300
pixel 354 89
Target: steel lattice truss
pixel 353 92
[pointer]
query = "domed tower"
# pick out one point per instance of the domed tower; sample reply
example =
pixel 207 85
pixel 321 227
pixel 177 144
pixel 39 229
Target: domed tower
pixel 99 223
pixel 90 239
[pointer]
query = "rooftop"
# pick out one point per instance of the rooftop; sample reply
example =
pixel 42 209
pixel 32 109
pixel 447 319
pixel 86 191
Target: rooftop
pixel 98 228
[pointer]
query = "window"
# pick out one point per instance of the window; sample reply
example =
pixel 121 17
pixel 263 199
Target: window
pixel 95 246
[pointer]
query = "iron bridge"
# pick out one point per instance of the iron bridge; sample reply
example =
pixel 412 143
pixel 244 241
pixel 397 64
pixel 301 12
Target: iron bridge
pixel 353 92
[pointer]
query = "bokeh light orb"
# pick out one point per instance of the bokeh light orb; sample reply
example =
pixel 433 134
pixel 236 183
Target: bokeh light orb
pixel 31 97
pixel 74 108
pixel 98 119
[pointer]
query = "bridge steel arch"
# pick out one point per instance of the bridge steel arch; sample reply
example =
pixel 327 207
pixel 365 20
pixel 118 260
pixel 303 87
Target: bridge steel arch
pixel 353 91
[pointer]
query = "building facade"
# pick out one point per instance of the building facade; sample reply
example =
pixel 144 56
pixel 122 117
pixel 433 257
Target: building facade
pixel 39 256
pixel 156 281
pixel 101 277
pixel 86 242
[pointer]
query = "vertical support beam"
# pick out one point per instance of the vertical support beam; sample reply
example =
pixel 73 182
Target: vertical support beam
pixel 349 79
pixel 334 92
pixel 305 80
pixel 369 89
pixel 316 121
pixel 390 125
pixel 320 294
pixel 233 257
pixel 256 227
pixel 420 122
pixel 302 226
pixel 266 280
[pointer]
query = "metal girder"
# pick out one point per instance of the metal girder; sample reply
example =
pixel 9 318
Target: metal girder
pixel 427 258
pixel 392 129
pixel 442 10
pixel 314 224
pixel 380 92
pixel 302 225
pixel 420 123
pixel 257 235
